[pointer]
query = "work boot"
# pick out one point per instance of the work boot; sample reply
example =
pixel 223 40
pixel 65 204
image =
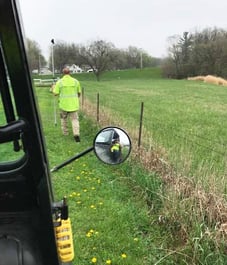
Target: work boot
pixel 77 138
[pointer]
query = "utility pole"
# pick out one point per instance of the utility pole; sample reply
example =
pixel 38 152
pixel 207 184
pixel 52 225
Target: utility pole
pixel 55 109
pixel 52 55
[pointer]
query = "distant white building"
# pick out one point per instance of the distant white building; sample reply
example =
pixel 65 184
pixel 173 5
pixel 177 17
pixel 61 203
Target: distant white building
pixel 75 69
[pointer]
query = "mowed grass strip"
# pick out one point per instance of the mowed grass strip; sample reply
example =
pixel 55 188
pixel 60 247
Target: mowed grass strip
pixel 108 221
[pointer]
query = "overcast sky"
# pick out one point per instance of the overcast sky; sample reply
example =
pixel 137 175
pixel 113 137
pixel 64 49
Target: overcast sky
pixel 144 24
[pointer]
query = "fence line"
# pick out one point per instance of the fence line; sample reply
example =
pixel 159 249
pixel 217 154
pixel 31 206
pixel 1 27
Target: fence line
pixel 141 123
pixel 43 82
pixel 211 150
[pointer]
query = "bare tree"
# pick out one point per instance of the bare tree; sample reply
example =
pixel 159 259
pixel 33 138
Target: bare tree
pixel 97 55
pixel 35 58
pixel 65 54
pixel 175 53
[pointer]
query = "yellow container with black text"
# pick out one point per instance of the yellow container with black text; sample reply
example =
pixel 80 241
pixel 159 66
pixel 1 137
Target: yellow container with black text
pixel 65 241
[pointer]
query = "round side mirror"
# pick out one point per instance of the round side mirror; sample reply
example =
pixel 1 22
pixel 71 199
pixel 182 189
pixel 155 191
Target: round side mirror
pixel 112 145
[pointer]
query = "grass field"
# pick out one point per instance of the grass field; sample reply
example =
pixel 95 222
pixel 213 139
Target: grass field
pixel 109 219
pixel 186 119
pixel 126 215
pixel 185 122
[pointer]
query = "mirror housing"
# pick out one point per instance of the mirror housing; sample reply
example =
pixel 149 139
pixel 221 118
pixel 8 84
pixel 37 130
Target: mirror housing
pixel 112 145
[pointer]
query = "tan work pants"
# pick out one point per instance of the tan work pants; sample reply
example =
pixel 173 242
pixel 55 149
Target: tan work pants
pixel 74 120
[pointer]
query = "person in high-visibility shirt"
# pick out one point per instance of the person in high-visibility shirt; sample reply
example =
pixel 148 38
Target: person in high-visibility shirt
pixel 68 90
pixel 115 150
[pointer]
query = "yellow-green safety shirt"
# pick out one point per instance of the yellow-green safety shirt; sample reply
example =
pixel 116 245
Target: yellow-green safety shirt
pixel 68 88
pixel 115 147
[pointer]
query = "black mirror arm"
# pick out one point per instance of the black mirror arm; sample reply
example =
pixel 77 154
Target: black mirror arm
pixel 72 159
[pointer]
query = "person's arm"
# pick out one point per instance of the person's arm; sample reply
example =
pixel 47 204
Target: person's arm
pixel 78 89
pixel 56 89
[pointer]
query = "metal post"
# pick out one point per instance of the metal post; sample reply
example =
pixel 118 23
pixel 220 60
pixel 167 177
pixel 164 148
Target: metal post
pixel 141 124
pixel 55 112
pixel 98 107
pixel 82 97
pixel 55 108
pixel 52 53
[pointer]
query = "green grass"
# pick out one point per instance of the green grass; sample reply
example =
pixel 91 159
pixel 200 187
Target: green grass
pixel 146 73
pixel 122 210
pixel 108 221
pixel 123 213
pixel 185 118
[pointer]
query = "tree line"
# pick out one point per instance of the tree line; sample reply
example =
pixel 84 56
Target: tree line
pixel 197 53
pixel 190 54
pixel 98 55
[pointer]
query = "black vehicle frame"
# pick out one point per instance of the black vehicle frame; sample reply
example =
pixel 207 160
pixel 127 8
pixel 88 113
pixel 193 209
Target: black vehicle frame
pixel 27 235
pixel 31 222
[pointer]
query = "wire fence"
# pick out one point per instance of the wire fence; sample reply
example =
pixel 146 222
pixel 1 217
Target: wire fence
pixel 189 152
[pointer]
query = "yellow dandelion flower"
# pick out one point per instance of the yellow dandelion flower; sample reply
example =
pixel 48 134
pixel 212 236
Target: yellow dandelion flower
pixel 85 190
pixel 88 234
pixel 78 177
pixel 108 261
pixel 93 188
pixel 93 207
pixel 94 260
pixel 123 255
pixel 136 239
